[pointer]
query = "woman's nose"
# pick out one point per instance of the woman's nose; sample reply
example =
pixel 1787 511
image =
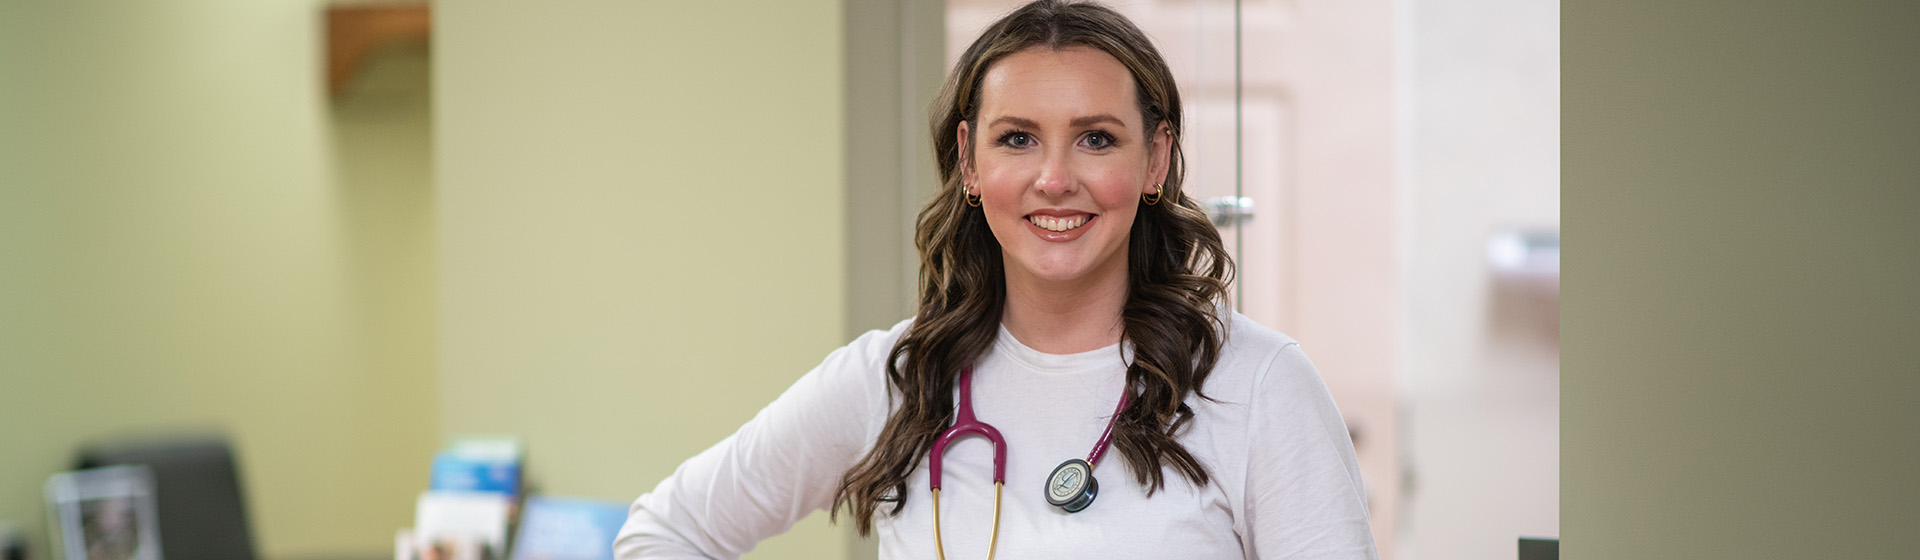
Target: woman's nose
pixel 1055 178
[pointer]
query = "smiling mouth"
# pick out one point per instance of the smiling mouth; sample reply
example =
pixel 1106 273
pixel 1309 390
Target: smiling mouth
pixel 1050 223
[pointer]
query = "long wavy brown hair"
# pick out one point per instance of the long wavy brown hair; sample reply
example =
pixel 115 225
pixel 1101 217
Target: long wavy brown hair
pixel 1177 273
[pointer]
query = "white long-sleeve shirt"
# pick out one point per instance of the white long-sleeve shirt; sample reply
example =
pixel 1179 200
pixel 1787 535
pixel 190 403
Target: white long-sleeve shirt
pixel 1285 482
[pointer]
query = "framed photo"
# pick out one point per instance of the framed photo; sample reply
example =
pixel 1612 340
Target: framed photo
pixel 104 514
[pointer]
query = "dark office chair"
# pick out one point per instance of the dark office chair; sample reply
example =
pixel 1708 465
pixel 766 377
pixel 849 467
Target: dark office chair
pixel 197 494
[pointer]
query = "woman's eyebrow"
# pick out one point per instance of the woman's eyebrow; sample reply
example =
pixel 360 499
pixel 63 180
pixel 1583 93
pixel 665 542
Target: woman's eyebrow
pixel 1078 122
pixel 1017 122
pixel 1091 120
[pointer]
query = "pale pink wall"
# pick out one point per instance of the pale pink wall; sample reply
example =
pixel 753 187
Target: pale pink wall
pixel 1482 356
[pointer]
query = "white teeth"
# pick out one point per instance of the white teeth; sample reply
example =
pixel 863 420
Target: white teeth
pixel 1058 224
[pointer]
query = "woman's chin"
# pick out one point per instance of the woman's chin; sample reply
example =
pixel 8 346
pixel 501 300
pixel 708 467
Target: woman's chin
pixel 1063 272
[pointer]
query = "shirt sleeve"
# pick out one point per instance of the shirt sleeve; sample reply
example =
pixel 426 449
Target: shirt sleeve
pixel 779 467
pixel 1304 497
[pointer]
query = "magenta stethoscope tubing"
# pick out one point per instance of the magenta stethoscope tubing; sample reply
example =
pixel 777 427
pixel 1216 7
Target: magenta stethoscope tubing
pixel 965 424
pixel 1100 447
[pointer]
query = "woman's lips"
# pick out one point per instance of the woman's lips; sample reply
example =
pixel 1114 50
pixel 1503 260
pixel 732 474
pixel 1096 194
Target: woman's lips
pixel 1052 227
pixel 1058 224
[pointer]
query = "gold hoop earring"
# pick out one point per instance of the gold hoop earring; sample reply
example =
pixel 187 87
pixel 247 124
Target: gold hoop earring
pixel 1153 198
pixel 973 199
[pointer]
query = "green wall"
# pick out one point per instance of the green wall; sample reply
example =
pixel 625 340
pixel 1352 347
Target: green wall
pixel 636 241
pixel 192 236
pixel 1742 293
pixel 640 229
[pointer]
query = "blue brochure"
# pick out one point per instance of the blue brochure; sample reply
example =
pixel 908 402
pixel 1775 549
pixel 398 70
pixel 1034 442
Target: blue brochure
pixel 479 465
pixel 568 529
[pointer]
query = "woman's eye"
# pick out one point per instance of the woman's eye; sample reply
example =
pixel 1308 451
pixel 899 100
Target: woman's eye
pixel 1017 140
pixel 1098 141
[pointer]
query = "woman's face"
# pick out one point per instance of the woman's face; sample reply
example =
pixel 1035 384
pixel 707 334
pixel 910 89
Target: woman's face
pixel 1060 160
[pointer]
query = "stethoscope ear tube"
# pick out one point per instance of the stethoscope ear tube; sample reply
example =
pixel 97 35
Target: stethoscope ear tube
pixel 940 547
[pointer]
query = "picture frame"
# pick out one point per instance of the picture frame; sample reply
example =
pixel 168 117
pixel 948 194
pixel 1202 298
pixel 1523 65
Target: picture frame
pixel 104 514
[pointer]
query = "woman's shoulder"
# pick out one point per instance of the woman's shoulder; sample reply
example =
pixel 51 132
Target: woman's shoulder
pixel 1252 354
pixel 877 343
pixel 851 380
pixel 863 361
pixel 1249 344
pixel 1244 334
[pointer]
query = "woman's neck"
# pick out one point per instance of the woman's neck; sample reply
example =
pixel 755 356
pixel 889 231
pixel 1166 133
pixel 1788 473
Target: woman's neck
pixel 1066 317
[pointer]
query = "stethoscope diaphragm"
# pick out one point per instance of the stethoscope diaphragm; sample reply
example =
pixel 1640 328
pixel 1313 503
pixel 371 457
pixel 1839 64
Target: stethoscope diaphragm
pixel 1071 486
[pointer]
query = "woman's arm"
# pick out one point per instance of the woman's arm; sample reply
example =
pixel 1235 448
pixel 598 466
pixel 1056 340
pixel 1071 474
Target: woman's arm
pixel 782 465
pixel 1303 493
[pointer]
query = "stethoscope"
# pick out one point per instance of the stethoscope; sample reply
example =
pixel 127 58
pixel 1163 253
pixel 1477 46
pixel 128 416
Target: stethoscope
pixel 1070 487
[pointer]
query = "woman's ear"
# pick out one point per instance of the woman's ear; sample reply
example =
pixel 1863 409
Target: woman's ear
pixel 963 140
pixel 1162 147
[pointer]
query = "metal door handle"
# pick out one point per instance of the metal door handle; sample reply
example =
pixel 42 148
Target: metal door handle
pixel 1227 211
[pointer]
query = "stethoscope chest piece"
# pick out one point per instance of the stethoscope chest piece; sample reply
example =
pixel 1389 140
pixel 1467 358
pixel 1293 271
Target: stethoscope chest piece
pixel 1071 486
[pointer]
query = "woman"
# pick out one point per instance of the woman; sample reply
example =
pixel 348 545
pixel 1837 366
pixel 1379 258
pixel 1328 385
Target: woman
pixel 1068 291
